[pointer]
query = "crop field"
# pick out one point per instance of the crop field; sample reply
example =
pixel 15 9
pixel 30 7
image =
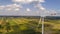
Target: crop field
pixel 29 25
pixel 52 25
pixel 19 25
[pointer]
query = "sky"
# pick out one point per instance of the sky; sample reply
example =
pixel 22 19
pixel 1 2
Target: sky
pixel 29 7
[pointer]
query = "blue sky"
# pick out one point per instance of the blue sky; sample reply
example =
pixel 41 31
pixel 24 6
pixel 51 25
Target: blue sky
pixel 28 8
pixel 52 4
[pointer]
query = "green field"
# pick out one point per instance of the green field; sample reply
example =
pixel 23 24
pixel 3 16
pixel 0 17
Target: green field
pixel 28 25
pixel 19 25
pixel 52 26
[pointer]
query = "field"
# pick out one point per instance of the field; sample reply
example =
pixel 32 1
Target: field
pixel 29 25
pixel 52 25
pixel 19 25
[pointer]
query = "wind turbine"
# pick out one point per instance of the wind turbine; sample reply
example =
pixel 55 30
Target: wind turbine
pixel 43 15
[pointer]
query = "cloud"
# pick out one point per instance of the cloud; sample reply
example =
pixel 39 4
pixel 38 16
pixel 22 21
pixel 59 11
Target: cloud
pixel 2 7
pixel 40 7
pixel 12 7
pixel 30 1
pixel 27 1
pixel 28 10
pixel 38 4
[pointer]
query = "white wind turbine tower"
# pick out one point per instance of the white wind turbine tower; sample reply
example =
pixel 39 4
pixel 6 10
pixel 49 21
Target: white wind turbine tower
pixel 44 13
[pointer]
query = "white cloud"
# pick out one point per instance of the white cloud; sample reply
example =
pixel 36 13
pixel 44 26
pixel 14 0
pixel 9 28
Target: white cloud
pixel 28 10
pixel 15 7
pixel 27 1
pixel 39 6
pixel 2 7
pixel 12 7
